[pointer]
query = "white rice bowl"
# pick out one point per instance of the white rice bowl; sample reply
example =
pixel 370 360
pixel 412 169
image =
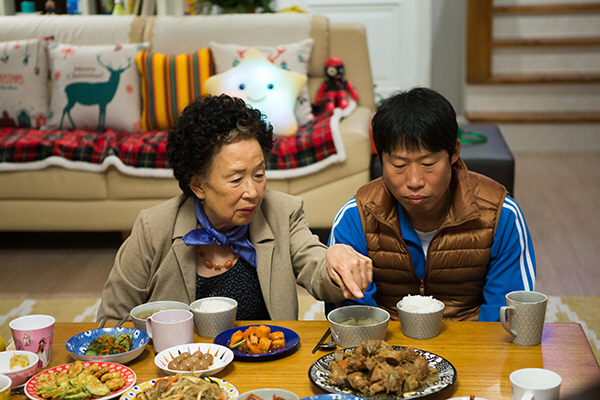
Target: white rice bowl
pixel 420 304
pixel 211 306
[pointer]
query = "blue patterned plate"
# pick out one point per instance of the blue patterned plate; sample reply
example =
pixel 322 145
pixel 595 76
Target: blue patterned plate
pixel 291 340
pixel 332 396
pixel 78 344
pixel 319 376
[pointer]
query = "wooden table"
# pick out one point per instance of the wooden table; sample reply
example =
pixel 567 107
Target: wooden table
pixel 481 352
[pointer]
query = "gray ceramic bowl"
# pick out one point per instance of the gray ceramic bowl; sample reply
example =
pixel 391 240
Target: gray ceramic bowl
pixel 352 335
pixel 421 325
pixel 211 323
pixel 140 313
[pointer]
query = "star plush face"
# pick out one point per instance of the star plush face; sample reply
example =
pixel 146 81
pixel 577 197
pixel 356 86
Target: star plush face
pixel 264 86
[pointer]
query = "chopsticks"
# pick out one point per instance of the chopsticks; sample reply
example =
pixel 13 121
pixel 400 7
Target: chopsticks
pixel 327 333
pixel 121 322
pixel 102 322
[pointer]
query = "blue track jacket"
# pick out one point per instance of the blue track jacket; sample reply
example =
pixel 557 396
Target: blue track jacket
pixel 512 259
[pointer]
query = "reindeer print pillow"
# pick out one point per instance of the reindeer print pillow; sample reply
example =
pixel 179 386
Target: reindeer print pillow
pixel 293 57
pixel 24 83
pixel 95 87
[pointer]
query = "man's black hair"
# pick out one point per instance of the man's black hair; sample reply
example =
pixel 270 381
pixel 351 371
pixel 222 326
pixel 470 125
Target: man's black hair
pixel 414 120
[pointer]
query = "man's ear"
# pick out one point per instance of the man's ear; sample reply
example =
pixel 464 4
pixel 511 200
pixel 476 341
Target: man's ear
pixel 455 153
pixel 196 186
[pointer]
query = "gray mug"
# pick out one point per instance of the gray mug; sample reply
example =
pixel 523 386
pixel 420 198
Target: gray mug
pixel 526 314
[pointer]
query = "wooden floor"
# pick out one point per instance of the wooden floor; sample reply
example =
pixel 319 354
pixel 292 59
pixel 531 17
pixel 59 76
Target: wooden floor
pixel 558 193
pixel 560 198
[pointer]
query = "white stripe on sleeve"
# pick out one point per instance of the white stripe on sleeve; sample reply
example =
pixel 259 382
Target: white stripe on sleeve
pixel 524 257
pixel 349 204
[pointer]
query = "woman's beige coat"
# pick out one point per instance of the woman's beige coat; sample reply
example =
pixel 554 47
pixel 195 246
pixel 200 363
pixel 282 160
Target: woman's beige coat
pixel 155 264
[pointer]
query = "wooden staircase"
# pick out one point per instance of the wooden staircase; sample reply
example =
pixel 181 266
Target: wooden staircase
pixel 528 96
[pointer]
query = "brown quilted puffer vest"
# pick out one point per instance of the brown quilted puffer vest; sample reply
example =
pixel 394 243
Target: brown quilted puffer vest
pixel 458 255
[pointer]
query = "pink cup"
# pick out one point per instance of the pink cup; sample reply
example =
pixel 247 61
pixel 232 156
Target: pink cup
pixel 170 328
pixel 34 333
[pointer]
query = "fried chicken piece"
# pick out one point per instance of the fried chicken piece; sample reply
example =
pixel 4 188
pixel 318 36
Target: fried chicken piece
pixel 370 363
pixel 391 356
pixel 394 383
pixel 338 355
pixel 356 362
pixel 419 369
pixel 337 374
pixel 371 347
pixel 359 381
pixel 381 371
pixel 411 383
pixel 386 378
pixel 377 387
pixel 409 355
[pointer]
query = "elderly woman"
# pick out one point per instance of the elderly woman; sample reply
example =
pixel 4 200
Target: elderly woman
pixel 227 234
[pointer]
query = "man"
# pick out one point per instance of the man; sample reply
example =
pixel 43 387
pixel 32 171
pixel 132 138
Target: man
pixel 429 225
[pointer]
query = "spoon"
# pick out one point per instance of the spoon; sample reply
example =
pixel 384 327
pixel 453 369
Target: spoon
pixel 318 346
pixel 330 345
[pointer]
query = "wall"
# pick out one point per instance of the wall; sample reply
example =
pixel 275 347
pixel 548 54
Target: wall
pixel 448 50
pixel 398 35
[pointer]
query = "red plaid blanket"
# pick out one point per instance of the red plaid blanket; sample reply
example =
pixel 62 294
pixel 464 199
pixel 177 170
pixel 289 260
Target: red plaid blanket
pixel 315 144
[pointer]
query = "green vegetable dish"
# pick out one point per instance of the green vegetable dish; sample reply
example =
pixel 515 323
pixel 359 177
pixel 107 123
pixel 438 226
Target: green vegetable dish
pixel 105 345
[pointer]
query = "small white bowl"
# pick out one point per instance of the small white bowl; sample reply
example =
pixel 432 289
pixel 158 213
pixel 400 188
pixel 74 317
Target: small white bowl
pixel 5 384
pixel 267 394
pixel 156 306
pixel 222 357
pixel 18 376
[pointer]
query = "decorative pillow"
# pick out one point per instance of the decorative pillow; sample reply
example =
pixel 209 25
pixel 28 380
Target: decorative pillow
pixel 264 86
pixel 293 57
pixel 170 83
pixel 95 87
pixel 24 82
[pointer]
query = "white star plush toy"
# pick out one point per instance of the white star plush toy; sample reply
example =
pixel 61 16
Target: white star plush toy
pixel 264 86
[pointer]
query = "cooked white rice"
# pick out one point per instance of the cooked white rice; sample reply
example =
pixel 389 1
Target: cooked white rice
pixel 420 304
pixel 213 306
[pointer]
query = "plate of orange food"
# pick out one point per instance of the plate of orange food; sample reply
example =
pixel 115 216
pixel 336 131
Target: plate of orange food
pixel 258 341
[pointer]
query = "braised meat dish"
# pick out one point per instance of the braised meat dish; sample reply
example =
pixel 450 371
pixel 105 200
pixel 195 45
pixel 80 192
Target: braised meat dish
pixel 376 367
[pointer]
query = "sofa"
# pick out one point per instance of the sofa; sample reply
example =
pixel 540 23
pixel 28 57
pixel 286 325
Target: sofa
pixel 59 197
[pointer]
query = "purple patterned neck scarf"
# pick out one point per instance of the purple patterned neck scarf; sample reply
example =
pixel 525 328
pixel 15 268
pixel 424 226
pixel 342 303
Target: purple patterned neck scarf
pixel 234 237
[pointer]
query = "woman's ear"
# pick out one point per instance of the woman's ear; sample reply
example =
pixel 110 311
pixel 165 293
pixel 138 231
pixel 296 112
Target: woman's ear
pixel 455 153
pixel 196 186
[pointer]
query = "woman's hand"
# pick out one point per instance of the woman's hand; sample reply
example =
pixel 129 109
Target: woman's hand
pixel 351 271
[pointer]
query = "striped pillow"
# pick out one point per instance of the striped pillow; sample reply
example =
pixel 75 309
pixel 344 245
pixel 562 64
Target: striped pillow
pixel 169 84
